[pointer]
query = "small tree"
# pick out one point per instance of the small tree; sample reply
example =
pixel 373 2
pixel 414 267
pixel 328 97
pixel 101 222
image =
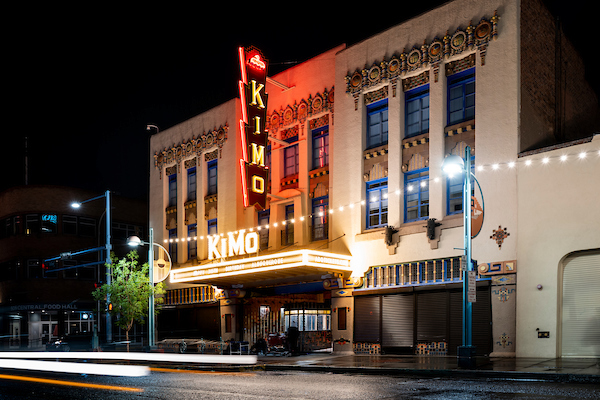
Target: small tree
pixel 129 291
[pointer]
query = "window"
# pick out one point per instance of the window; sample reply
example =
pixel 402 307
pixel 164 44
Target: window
pixel 191 184
pixel 87 227
pixel 377 124
pixel 377 203
pixel 173 245
pixel 172 190
pixel 192 243
pixel 454 191
pixel 212 226
pixel 417 111
pixel 212 178
pixel 320 147
pixel 32 224
pixel 290 160
pixel 461 97
pixel 320 215
pixel 263 221
pixel 416 195
pixel 288 232
pixel 34 269
pixel 49 223
pixel 69 224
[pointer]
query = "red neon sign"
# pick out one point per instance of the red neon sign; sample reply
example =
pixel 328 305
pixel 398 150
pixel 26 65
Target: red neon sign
pixel 253 135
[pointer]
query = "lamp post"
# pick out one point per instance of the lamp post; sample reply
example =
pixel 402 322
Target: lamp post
pixel 136 241
pixel 453 165
pixel 108 249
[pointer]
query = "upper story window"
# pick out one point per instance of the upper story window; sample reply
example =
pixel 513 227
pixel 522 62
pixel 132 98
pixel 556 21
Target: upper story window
pixel 377 201
pixel 173 245
pixel 212 226
pixel 212 177
pixel 320 214
pixel 454 191
pixel 377 124
pixel 290 160
pixel 172 190
pixel 461 96
pixel 417 111
pixel 191 184
pixel 287 237
pixel 192 244
pixel 263 223
pixel 416 195
pixel 320 147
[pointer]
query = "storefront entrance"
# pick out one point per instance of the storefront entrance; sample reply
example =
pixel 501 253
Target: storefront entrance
pixel 270 318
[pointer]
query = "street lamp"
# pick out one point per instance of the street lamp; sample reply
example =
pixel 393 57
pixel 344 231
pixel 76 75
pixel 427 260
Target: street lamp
pixel 108 249
pixel 454 165
pixel 136 241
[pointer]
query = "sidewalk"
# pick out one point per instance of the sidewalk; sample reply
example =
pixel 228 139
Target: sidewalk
pixel 547 369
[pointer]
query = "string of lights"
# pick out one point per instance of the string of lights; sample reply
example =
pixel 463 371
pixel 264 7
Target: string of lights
pixel 510 165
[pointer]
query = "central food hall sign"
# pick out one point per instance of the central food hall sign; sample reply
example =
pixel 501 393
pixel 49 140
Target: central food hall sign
pixel 254 138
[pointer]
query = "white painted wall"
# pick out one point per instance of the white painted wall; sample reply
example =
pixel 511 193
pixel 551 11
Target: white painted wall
pixel 559 213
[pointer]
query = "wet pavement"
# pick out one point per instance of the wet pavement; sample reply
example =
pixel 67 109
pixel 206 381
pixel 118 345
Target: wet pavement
pixel 550 369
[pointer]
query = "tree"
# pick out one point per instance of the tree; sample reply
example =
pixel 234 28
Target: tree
pixel 129 292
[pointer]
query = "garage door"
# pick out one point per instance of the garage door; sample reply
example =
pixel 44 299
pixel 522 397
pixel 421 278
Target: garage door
pixel 581 305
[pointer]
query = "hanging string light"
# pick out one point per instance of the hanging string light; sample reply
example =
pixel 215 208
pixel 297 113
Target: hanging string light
pixel 510 165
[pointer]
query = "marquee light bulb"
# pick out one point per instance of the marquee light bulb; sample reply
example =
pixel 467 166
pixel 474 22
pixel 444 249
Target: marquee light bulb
pixel 563 158
pixel 582 155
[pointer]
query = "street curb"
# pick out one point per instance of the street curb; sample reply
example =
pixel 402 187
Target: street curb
pixel 442 373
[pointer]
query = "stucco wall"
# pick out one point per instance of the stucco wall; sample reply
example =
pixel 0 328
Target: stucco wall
pixel 558 214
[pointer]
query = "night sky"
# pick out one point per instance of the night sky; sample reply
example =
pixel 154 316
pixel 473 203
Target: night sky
pixel 82 84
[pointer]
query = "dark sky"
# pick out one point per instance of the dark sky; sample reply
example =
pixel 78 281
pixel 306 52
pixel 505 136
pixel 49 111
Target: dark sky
pixel 83 84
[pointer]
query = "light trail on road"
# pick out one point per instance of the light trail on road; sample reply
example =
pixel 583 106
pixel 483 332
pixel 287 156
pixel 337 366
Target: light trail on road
pixel 69 383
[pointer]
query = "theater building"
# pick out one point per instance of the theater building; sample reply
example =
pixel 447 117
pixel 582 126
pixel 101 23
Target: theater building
pixel 340 222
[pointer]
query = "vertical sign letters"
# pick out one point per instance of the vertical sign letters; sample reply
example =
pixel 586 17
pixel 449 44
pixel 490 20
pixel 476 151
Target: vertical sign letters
pixel 252 127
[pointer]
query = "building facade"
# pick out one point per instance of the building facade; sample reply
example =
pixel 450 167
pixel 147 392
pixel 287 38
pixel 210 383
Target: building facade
pixel 359 243
pixel 40 301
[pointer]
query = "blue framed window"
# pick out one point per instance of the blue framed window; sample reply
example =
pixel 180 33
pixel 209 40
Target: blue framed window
pixel 172 190
pixel 461 96
pixel 192 243
pixel 191 183
pixel 290 160
pixel 173 245
pixel 212 177
pixel 416 195
pixel 320 214
pixel 454 191
pixel 377 203
pixel 212 227
pixel 417 111
pixel 320 147
pixel 263 234
pixel 377 124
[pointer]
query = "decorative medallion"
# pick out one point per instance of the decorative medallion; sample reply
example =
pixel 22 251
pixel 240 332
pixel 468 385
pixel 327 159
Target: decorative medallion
pixel 483 30
pixel 414 59
pixel 458 41
pixel 302 111
pixel 317 104
pixel 288 116
pixel 499 236
pixel 436 50
pixel 394 66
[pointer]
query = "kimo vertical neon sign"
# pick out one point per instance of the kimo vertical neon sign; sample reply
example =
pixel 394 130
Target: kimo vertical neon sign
pixel 252 126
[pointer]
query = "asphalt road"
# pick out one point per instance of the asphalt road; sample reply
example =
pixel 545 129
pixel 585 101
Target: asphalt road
pixel 249 384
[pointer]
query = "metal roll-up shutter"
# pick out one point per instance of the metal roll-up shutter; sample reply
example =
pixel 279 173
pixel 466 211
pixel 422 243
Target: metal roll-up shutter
pixel 432 313
pixel 367 314
pixel 481 328
pixel 397 320
pixel 581 305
